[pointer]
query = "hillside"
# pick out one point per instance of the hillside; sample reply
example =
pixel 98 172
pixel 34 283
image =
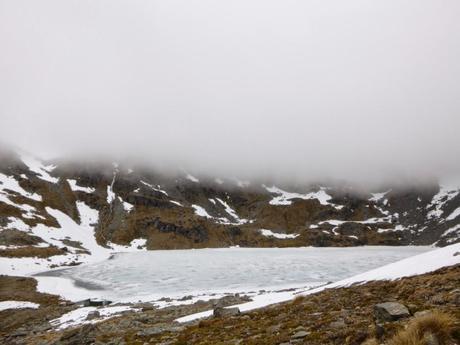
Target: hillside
pixel 75 212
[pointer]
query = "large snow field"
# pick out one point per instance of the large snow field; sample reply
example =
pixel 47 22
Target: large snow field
pixel 151 275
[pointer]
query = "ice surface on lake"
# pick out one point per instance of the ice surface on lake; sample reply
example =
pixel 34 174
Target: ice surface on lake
pixel 172 273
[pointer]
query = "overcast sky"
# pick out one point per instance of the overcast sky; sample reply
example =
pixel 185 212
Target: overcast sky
pixel 352 89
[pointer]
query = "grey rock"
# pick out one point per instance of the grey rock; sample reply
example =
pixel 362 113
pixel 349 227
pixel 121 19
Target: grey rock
pixel 186 298
pixel 337 324
pixel 147 332
pixel 390 311
pixel 93 315
pixel 93 303
pixel 20 332
pixel 300 335
pixel 42 328
pixel 223 312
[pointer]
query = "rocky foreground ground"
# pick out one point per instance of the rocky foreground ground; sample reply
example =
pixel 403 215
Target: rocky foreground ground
pixel 423 309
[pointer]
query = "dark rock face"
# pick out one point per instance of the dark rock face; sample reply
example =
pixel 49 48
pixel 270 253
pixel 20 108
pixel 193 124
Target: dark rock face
pixel 198 234
pixel 154 200
pixel 94 303
pixel 390 311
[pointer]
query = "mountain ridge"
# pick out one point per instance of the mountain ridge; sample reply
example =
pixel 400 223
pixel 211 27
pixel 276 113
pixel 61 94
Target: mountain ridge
pixel 118 204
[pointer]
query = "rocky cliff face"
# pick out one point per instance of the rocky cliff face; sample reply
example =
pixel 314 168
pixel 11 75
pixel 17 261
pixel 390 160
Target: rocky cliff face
pixel 167 211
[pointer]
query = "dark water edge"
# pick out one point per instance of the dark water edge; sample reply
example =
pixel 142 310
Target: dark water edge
pixel 76 282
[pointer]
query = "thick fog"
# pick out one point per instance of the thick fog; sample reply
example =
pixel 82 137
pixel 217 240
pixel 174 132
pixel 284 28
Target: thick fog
pixel 360 89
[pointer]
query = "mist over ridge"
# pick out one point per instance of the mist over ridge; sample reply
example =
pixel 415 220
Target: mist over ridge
pixel 365 92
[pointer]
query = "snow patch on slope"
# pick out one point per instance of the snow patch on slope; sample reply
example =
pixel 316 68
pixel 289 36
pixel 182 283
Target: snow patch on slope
pixel 454 214
pixel 232 213
pixel 376 197
pixel 454 230
pixel 447 191
pixel 157 188
pixel 7 182
pixel 69 229
pixel 41 170
pixel 192 178
pixel 78 316
pixel 18 305
pixel 76 188
pixel 200 211
pixel 285 198
pixel 281 236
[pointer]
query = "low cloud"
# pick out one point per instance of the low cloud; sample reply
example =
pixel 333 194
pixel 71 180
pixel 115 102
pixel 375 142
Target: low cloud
pixel 360 90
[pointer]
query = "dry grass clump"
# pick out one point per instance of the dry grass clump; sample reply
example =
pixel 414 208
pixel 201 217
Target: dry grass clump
pixel 433 328
pixel 30 251
pixel 371 341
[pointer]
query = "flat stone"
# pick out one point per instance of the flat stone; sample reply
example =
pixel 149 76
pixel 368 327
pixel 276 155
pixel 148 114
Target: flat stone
pixel 390 311
pixel 150 331
pixel 300 335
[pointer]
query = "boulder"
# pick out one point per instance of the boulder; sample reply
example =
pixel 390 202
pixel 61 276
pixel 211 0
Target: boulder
pixel 223 312
pixel 390 311
pixel 93 315
pixel 93 303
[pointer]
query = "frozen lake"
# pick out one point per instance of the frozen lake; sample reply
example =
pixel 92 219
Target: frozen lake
pixel 173 273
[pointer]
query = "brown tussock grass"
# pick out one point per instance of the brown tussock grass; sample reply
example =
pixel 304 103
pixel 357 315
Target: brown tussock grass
pixel 29 251
pixel 371 341
pixel 418 331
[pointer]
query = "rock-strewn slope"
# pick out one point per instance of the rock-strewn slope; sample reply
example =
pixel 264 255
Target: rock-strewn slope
pixel 57 210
